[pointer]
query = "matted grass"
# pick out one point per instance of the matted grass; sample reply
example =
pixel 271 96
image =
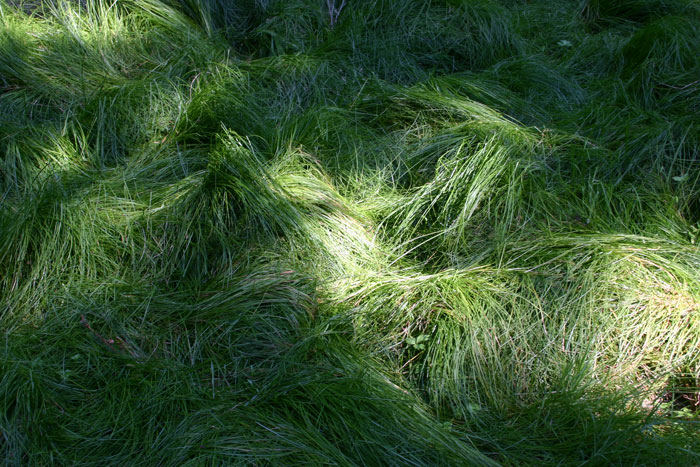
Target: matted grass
pixel 420 233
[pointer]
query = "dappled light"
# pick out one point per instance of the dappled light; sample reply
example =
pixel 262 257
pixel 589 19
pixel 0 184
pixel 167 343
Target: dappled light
pixel 460 232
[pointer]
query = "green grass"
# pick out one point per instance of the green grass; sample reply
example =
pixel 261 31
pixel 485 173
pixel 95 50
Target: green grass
pixel 432 232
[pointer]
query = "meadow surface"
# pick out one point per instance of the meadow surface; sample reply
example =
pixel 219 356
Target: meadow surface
pixel 417 232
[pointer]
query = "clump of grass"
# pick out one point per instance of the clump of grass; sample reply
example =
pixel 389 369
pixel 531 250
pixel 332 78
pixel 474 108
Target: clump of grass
pixel 602 12
pixel 658 54
pixel 452 210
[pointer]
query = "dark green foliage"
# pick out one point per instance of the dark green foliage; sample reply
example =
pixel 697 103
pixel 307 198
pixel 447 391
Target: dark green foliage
pixel 663 57
pixel 610 11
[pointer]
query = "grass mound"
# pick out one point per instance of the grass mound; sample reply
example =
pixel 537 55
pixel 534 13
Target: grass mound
pixel 442 232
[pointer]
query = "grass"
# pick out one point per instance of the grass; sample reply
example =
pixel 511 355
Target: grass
pixel 255 232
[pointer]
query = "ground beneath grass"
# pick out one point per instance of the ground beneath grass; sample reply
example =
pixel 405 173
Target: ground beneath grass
pixel 363 232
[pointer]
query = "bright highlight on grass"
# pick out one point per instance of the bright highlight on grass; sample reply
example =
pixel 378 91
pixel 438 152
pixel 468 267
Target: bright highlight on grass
pixel 364 232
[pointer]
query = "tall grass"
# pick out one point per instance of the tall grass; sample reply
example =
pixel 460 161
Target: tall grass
pixel 445 232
